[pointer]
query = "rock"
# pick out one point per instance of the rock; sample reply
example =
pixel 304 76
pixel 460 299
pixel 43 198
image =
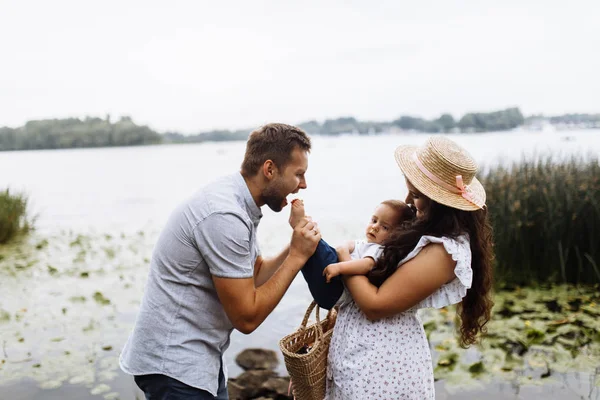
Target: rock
pixel 250 383
pixel 236 392
pixel 257 359
pixel 259 381
pixel 279 387
pixel 253 381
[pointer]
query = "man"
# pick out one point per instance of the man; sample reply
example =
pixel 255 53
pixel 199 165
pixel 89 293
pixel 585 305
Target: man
pixel 207 276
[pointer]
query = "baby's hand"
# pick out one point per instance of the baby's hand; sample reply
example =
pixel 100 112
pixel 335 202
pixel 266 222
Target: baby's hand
pixel 296 212
pixel 331 271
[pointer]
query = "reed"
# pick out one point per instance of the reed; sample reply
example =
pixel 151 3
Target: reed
pixel 13 215
pixel 546 217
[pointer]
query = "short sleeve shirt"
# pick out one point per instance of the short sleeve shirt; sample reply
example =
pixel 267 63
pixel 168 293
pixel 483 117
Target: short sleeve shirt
pixel 364 249
pixel 181 329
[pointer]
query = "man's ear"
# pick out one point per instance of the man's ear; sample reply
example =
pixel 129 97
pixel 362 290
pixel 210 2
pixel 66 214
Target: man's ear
pixel 269 169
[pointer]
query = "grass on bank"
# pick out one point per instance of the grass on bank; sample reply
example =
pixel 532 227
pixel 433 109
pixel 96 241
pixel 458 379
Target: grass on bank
pixel 13 215
pixel 546 218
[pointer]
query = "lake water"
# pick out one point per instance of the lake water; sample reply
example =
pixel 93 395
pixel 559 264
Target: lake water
pixel 71 303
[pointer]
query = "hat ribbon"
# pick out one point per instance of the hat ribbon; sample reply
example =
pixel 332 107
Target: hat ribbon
pixel 460 187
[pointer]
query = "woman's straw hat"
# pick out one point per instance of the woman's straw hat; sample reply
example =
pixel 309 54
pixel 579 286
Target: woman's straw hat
pixel 444 172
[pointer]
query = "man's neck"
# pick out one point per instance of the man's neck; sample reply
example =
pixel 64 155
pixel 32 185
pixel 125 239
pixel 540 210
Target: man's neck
pixel 255 186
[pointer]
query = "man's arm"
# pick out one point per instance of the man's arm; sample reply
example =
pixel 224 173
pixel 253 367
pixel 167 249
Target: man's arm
pixel 246 305
pixel 264 268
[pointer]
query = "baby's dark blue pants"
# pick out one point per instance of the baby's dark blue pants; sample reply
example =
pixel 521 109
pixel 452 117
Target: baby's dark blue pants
pixel 325 294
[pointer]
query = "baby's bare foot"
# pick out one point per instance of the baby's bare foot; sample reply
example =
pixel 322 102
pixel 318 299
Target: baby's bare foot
pixel 296 212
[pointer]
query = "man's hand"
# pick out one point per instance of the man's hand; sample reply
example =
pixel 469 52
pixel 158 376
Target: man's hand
pixel 331 271
pixel 305 239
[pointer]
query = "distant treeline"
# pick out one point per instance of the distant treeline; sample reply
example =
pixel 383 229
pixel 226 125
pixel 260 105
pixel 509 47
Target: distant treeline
pixel 211 136
pixel 74 132
pixel 98 132
pixel 580 120
pixel 471 122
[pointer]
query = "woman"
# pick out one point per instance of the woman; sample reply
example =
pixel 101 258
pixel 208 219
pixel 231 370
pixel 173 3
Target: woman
pixel 379 349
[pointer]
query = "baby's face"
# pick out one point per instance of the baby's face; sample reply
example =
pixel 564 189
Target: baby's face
pixel 382 223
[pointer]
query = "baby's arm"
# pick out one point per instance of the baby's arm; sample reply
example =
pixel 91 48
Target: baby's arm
pixel 353 267
pixel 344 250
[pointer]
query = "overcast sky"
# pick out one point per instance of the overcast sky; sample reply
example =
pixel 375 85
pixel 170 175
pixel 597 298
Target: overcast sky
pixel 198 65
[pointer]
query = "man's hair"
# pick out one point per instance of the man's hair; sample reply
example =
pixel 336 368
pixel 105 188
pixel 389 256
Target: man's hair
pixel 274 142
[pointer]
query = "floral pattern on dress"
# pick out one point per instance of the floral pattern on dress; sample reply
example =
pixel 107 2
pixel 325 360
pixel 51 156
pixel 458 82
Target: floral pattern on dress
pixel 390 358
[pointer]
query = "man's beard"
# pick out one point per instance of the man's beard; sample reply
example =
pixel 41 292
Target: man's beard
pixel 273 198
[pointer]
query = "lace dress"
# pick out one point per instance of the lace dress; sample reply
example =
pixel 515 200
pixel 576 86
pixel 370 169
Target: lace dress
pixel 390 358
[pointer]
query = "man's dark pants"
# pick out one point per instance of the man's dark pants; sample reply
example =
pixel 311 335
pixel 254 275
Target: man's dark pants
pixel 162 387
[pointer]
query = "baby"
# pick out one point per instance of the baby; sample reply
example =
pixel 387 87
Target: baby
pixel 364 253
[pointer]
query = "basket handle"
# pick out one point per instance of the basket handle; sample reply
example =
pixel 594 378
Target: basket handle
pixel 309 310
pixel 307 314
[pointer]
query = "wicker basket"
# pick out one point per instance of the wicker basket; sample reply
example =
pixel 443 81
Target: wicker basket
pixel 308 369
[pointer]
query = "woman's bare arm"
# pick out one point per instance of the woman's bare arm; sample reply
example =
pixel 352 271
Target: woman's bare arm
pixel 411 283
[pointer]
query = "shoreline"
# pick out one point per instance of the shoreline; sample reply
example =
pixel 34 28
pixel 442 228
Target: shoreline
pixel 553 129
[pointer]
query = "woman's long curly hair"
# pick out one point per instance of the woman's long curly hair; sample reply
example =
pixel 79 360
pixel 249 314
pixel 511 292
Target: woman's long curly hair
pixel 440 220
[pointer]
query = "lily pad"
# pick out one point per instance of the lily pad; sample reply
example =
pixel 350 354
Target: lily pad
pixel 476 368
pixel 4 316
pixel 100 299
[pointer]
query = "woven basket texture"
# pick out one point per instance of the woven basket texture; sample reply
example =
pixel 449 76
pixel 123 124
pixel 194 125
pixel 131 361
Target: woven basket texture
pixel 308 370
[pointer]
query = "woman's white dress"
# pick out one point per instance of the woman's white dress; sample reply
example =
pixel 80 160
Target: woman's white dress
pixel 390 358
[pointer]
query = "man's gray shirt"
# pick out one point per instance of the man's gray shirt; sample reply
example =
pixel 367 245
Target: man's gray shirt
pixel 181 329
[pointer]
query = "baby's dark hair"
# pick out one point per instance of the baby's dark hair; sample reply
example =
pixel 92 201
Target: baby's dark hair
pixel 403 211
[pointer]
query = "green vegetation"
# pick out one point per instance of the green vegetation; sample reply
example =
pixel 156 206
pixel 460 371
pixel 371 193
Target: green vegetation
pixel 13 215
pixel 344 125
pixel 534 333
pixel 567 120
pixel 473 122
pixel 494 121
pixel 212 136
pixel 546 218
pixel 73 133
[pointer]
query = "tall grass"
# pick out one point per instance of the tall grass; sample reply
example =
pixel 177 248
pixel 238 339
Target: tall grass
pixel 13 215
pixel 546 218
